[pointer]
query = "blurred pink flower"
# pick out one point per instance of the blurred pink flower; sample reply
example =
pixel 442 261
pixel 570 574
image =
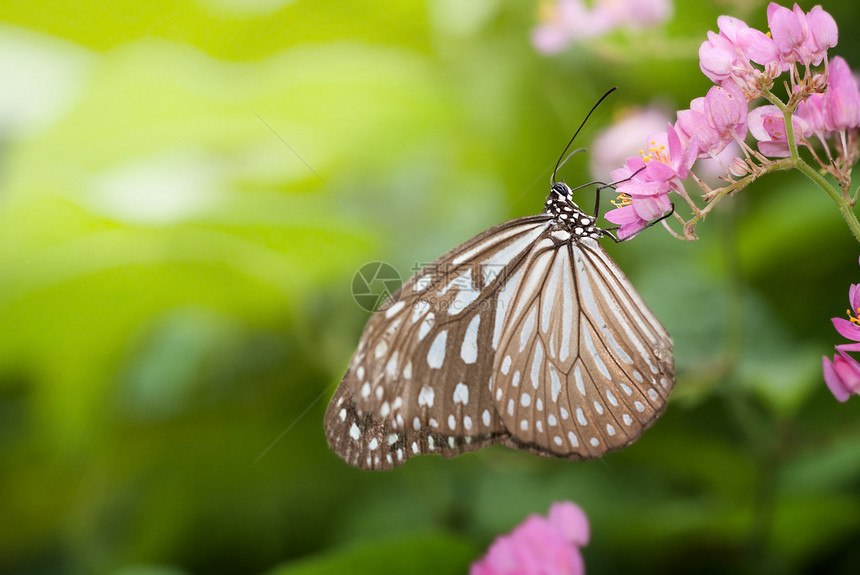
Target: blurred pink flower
pixel 564 21
pixel 540 546
pixel 624 138
pixel 842 375
pixel 711 169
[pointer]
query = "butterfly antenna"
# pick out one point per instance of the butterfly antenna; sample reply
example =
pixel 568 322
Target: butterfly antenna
pixel 563 158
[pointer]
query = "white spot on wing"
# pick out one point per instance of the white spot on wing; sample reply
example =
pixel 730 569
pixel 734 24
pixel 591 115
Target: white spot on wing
pixel 503 301
pixel 611 398
pixel 528 329
pixel 392 311
pixel 537 364
pixel 422 283
pixel 391 366
pixel 469 349
pixel 425 396
pixel 436 355
pixel 592 350
pixel 381 348
pixel 555 383
pixel 461 394
pixel 506 364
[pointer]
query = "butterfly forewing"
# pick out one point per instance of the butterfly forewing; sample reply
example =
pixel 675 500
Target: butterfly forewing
pixel 528 335
pixel 419 381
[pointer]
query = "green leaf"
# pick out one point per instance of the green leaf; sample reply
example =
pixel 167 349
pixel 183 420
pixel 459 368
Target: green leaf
pixel 431 554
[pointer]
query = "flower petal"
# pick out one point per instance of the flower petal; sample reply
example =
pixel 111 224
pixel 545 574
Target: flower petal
pixel 571 520
pixel 837 388
pixel 847 329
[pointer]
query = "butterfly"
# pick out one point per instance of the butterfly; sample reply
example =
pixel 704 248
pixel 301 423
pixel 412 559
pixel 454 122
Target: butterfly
pixel 528 335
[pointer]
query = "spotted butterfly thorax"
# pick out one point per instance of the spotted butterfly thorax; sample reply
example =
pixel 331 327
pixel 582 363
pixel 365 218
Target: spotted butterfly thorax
pixel 528 335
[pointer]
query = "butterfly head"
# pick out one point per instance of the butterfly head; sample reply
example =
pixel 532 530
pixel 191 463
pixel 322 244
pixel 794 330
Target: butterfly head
pixel 569 217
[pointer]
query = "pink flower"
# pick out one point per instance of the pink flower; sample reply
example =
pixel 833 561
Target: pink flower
pixel 730 53
pixel 647 179
pixel 715 120
pixel 801 37
pixel 540 546
pixel 842 374
pixel 842 97
pixel 767 125
pixel 561 23
pixel 565 21
pixel 630 222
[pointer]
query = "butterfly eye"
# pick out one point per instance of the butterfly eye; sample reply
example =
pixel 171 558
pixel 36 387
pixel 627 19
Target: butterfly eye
pixel 561 189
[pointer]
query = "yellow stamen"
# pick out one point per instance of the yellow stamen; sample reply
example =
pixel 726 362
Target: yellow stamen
pixel 852 318
pixel 622 200
pixel 655 152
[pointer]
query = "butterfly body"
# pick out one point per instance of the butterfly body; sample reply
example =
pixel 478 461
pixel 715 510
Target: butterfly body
pixel 527 335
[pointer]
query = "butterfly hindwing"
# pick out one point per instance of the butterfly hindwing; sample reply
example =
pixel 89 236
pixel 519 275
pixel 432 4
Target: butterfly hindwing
pixel 420 379
pixel 585 367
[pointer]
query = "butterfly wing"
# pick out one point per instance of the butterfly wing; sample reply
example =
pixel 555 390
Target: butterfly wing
pixel 420 381
pixel 584 366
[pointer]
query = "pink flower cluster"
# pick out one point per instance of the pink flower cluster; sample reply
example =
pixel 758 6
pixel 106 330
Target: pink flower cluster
pixel 742 62
pixel 540 545
pixel 842 373
pixel 564 21
pixel 835 110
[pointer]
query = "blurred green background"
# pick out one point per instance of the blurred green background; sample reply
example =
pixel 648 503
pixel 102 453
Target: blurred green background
pixel 186 190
